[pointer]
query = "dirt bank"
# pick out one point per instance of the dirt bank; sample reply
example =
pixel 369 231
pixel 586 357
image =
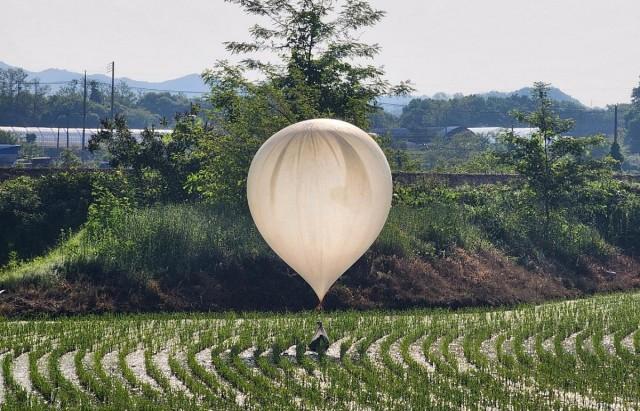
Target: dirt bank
pixel 461 279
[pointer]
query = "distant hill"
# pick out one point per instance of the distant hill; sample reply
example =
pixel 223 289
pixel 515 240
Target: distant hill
pixel 189 83
pixel 194 83
pixel 394 104
pixel 554 93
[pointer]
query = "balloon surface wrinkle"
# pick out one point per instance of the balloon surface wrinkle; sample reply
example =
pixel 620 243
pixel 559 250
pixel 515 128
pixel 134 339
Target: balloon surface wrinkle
pixel 319 192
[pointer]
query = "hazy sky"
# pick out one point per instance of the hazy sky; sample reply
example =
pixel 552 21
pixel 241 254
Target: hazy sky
pixel 588 48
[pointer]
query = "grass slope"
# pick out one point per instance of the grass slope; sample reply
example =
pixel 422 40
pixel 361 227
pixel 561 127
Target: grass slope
pixel 197 257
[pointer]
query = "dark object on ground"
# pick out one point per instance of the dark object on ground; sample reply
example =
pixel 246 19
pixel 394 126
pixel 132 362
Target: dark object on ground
pixel 320 341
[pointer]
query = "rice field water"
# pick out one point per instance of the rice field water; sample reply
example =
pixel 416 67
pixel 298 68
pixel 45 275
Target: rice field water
pixel 574 355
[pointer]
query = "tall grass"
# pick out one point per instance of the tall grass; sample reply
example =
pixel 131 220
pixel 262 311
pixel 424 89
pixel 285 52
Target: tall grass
pixel 175 240
pixel 428 231
pixel 164 240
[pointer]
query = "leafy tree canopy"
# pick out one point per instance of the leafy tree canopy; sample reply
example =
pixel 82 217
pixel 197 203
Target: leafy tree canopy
pixel 633 122
pixel 316 73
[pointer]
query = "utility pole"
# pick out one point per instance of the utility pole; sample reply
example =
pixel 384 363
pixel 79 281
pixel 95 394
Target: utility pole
pixel 113 83
pixel 84 108
pixel 615 124
pixel 35 99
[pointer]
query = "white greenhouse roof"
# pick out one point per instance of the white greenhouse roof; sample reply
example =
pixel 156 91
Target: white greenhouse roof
pixel 48 136
pixel 493 132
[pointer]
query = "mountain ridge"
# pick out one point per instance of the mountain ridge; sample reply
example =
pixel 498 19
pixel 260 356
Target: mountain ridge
pixel 193 84
pixel 190 83
pixel 394 104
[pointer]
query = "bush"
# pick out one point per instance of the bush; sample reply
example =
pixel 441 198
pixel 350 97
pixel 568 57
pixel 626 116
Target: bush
pixel 512 223
pixel 34 211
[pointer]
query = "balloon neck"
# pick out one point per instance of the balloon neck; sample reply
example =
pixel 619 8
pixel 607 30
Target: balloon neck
pixel 319 307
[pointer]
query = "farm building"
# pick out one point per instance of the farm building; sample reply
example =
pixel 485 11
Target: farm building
pixel 428 133
pixel 8 154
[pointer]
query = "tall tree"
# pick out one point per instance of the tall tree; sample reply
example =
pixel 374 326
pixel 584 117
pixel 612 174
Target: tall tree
pixel 633 122
pixel 317 47
pixel 316 73
pixel 555 167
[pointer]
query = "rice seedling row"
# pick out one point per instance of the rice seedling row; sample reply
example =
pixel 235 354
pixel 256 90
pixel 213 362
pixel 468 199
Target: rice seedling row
pixel 574 355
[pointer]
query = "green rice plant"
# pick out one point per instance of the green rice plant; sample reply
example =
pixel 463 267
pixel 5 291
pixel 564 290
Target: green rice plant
pixel 565 355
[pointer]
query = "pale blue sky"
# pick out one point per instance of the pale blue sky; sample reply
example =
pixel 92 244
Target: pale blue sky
pixel 588 48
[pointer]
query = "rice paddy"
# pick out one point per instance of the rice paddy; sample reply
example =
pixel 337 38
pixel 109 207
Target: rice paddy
pixel 574 355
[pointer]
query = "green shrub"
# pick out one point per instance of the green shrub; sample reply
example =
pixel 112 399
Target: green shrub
pixel 427 220
pixel 33 211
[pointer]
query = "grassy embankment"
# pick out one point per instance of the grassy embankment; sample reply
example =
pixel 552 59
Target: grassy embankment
pixel 440 247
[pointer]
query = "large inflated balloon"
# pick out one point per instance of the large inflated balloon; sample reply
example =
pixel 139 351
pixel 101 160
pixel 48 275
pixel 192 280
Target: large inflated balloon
pixel 320 192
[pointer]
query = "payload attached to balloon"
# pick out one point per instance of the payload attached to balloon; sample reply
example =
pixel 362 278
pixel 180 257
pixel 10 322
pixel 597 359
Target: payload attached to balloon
pixel 319 192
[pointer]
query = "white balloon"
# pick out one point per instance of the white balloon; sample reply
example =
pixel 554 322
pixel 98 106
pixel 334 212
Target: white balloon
pixel 319 192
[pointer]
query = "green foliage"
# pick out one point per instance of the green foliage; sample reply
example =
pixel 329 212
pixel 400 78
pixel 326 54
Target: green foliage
pixel 7 137
pixel 613 208
pixel 33 211
pixel 511 221
pixel 616 154
pixel 160 164
pixel 69 159
pixel 316 42
pixel 126 238
pixel 30 150
pixel 508 218
pixel 633 134
pixel 484 162
pixel 425 118
pixel 462 152
pixel 315 76
pixel 632 118
pixel 106 210
pixel 165 241
pixel 381 119
pixel 174 242
pixel 399 159
pixel 555 168
pixel 225 163
pixel 21 103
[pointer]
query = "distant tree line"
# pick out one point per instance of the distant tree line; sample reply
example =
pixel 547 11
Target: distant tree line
pixel 26 102
pixel 421 115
